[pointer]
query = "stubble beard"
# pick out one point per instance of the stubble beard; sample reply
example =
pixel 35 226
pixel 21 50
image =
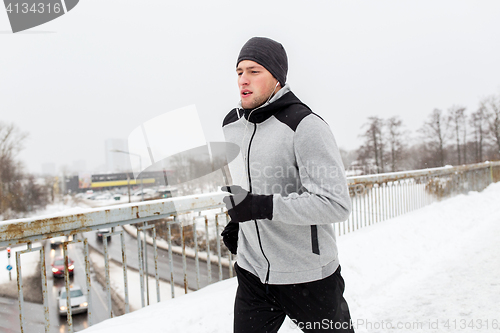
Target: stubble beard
pixel 255 103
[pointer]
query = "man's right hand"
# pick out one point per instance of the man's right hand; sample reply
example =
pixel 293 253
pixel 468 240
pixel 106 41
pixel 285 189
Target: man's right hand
pixel 243 206
pixel 230 236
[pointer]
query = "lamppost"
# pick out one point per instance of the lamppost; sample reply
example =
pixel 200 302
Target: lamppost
pixel 140 168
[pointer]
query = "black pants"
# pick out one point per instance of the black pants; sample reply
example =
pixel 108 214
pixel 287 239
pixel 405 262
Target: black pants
pixel 312 306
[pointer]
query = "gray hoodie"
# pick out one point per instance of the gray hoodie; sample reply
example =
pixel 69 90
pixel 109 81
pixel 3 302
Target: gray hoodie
pixel 289 152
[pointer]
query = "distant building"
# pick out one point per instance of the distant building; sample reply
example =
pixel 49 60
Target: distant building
pixel 107 181
pixel 116 162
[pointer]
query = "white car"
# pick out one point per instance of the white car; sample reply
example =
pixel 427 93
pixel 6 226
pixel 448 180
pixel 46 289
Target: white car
pixel 102 196
pixel 79 301
pixel 148 193
pixel 57 241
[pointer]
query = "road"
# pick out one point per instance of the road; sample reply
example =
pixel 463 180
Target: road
pixel 99 305
pixel 115 252
pixel 34 314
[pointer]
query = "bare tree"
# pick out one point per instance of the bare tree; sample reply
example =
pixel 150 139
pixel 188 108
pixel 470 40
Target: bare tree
pixel 19 192
pixel 11 143
pixel 435 137
pixel 195 173
pixel 456 117
pixel 348 156
pixel 477 122
pixel 374 142
pixel 464 136
pixel 396 139
pixel 492 109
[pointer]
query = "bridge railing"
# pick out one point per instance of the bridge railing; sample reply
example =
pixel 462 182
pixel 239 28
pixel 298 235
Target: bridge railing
pixel 380 197
pixel 144 220
pixel 374 198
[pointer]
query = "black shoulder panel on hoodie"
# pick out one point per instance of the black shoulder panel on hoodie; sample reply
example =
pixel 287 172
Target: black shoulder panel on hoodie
pixel 231 117
pixel 293 115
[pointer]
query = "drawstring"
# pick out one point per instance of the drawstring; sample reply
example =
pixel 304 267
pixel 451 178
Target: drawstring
pixel 267 281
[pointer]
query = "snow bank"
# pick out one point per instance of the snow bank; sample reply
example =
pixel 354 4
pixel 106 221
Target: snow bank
pixel 433 270
pixel 29 262
pixel 437 265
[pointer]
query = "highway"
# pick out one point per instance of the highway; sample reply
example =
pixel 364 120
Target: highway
pixel 99 304
pixel 34 314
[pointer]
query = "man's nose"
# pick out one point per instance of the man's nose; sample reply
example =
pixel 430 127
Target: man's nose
pixel 243 79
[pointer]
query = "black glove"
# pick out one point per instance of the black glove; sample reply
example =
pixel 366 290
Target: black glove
pixel 230 236
pixel 244 206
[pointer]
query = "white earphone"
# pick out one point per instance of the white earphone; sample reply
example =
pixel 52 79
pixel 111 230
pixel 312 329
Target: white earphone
pixel 250 114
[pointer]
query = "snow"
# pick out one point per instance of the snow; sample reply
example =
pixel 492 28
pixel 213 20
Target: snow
pixel 440 263
pixel 29 263
pixel 56 209
pixel 432 270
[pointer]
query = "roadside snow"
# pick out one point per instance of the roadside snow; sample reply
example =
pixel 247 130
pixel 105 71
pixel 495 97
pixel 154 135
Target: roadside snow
pixel 65 207
pixel 29 262
pixel 433 270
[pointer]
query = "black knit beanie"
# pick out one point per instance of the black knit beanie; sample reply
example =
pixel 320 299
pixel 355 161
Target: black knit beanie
pixel 267 53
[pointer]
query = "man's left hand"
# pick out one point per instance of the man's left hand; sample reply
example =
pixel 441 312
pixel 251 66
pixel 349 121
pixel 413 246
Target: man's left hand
pixel 230 236
pixel 244 206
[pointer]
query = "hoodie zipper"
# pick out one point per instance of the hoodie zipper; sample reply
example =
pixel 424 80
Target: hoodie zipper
pixel 255 221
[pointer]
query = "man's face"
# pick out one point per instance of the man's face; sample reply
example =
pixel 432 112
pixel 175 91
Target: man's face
pixel 256 84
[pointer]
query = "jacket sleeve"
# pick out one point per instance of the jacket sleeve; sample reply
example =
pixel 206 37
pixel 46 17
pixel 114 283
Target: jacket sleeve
pixel 324 197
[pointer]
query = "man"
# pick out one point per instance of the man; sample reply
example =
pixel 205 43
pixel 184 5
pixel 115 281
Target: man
pixel 293 188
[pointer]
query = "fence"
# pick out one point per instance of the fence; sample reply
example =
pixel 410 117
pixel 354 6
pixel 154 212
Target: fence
pixel 380 197
pixel 374 198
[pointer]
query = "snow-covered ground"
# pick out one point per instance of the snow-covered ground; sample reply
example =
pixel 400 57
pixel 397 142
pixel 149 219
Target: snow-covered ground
pixel 29 263
pixel 66 205
pixel 433 270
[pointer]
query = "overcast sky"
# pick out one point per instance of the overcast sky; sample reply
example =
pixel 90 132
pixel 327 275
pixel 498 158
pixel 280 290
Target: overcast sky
pixel 107 66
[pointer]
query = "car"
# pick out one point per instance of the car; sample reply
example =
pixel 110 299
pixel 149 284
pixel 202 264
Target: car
pixel 78 300
pixel 100 233
pixel 102 197
pixel 56 241
pixel 58 267
pixel 149 193
pixel 167 192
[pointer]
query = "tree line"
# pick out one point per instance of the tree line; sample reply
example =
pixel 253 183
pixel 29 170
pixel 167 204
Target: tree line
pixel 20 192
pixel 454 136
